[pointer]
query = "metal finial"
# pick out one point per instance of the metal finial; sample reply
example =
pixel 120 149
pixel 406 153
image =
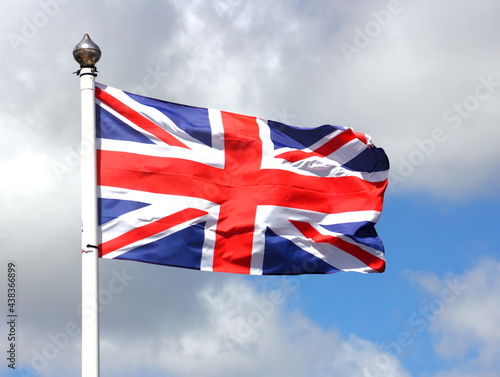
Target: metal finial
pixel 86 52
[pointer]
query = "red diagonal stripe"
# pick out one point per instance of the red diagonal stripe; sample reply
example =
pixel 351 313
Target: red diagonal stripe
pixel 150 230
pixel 361 137
pixel 137 118
pixel 370 260
pixel 325 150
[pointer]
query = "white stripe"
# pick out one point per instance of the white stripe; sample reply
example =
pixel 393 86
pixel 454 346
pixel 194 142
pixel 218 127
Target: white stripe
pixel 207 253
pixel 268 214
pixel 201 155
pixel 217 127
pixel 267 145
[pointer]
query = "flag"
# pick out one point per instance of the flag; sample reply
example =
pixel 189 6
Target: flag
pixel 212 190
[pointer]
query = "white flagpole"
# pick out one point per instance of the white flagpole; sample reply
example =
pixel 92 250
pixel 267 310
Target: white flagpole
pixel 87 53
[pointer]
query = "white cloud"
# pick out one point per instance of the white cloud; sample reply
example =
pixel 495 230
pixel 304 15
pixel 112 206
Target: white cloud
pixel 467 328
pixel 226 329
pixel 245 333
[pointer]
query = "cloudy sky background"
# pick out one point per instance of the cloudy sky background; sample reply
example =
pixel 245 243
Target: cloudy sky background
pixel 421 77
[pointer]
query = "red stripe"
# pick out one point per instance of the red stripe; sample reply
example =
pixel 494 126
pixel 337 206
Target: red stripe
pixel 370 260
pixel 263 187
pixel 150 230
pixel 235 227
pixel 137 118
pixel 325 150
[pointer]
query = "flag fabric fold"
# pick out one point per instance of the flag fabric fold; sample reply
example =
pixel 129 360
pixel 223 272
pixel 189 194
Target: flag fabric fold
pixel 212 190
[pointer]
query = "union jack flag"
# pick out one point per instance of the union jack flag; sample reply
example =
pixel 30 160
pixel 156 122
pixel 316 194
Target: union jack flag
pixel 216 191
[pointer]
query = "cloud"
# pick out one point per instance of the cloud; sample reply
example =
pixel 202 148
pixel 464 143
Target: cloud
pixel 467 329
pixel 243 332
pixel 216 325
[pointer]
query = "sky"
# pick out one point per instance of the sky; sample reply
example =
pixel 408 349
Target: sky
pixel 422 78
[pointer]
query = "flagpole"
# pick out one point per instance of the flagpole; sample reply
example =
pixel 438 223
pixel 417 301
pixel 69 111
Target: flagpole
pixel 87 54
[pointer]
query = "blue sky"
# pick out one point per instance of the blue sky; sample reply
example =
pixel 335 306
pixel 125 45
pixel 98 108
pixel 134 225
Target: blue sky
pixel 422 78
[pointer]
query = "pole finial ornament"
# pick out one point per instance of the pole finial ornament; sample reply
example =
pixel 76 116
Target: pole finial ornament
pixel 87 54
